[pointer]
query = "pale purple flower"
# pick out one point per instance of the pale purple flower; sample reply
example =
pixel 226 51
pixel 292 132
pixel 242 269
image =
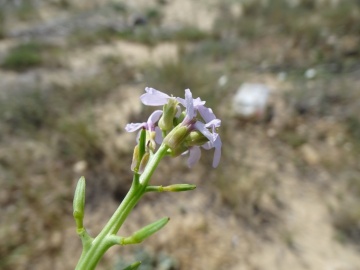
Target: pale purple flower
pixel 192 107
pixel 194 155
pixel 195 152
pixel 154 97
pixel 207 124
pixel 196 103
pixel 149 125
pixel 217 154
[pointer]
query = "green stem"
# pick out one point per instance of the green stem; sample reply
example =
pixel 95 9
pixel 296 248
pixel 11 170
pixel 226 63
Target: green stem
pixel 90 257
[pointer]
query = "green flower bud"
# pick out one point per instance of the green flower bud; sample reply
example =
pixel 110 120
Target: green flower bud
pixel 171 188
pixel 169 112
pixel 178 150
pixel 142 143
pixel 150 140
pixel 133 266
pixel 135 160
pixel 176 137
pixel 143 163
pixel 145 232
pixel 180 118
pixel 196 138
pixel 179 187
pixel 79 203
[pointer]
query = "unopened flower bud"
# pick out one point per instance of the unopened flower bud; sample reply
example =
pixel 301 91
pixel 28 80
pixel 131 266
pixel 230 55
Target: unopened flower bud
pixel 145 232
pixel 133 266
pixel 176 137
pixel 196 138
pixel 179 187
pixel 135 160
pixel 150 140
pixel 143 163
pixel 181 117
pixel 179 150
pixel 79 203
pixel 169 112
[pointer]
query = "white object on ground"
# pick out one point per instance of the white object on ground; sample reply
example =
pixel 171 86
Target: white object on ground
pixel 251 100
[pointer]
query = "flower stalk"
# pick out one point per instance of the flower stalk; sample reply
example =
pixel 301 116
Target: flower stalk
pixel 166 133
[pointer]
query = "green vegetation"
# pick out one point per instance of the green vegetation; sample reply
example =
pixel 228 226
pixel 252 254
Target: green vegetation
pixel 148 261
pixel 34 109
pixel 92 37
pixel 319 37
pixel 78 140
pixel 346 218
pixel 252 198
pixel 32 54
pixel 353 124
pixel 2 25
pixel 27 111
pixel 26 10
pixel 23 57
pixel 191 34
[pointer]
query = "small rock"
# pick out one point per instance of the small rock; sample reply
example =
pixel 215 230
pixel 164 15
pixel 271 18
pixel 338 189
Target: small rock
pixel 310 73
pixel 139 20
pixel 55 240
pixel 282 76
pixel 309 154
pixel 251 101
pixel 222 80
pixel 80 166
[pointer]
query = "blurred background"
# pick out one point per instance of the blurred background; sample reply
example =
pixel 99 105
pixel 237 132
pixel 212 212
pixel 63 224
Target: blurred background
pixel 284 77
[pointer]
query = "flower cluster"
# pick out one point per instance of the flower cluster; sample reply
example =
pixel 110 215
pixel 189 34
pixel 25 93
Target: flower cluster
pixel 183 131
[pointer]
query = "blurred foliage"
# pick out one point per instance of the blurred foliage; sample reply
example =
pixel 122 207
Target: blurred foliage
pixel 32 54
pixel 346 217
pixel 353 124
pixel 190 33
pixel 319 36
pixel 152 35
pixel 33 109
pixel 78 140
pixel 149 261
pixel 29 110
pixel 91 38
pixel 2 25
pixel 26 10
pixel 23 57
pixel 253 198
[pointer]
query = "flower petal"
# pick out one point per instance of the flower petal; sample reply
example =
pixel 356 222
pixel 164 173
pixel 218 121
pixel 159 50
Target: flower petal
pixel 217 153
pixel 190 110
pixel 158 135
pixel 153 118
pixel 206 113
pixel 217 144
pixel 134 126
pixel 195 154
pixel 213 124
pixel 154 97
pixel 202 128
pixel 196 102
